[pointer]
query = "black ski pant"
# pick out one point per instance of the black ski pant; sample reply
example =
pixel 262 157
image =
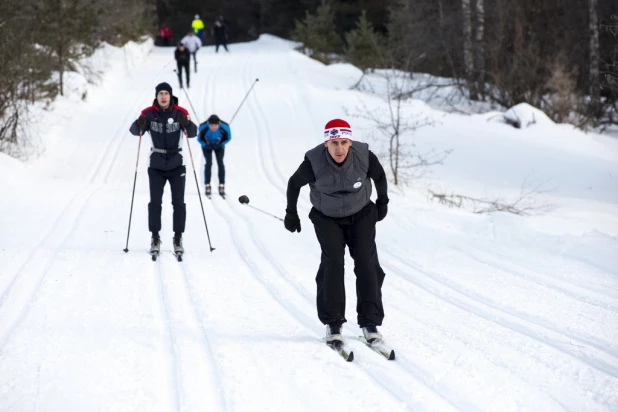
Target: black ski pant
pixel 187 71
pixel 219 152
pixel 358 232
pixel 220 42
pixel 157 179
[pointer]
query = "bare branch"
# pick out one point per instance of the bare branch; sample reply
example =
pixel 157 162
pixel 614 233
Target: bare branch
pixel 526 204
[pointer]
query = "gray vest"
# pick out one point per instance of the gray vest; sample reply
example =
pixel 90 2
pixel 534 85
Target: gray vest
pixel 340 191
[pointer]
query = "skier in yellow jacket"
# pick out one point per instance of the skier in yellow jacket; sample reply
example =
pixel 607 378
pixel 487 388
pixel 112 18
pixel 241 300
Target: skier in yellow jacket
pixel 198 26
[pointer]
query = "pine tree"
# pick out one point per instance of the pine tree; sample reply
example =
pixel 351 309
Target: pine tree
pixel 69 31
pixel 364 45
pixel 317 33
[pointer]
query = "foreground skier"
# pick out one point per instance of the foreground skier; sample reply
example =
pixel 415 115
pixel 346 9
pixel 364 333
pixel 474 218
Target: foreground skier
pixel 338 172
pixel 165 121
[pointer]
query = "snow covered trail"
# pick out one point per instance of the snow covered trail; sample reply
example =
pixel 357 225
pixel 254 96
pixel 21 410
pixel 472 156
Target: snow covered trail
pixel 485 312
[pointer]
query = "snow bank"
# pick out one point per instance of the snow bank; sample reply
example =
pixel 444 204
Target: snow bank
pixel 14 173
pixel 524 115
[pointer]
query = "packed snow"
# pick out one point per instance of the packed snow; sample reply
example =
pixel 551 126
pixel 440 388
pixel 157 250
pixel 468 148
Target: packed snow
pixel 492 312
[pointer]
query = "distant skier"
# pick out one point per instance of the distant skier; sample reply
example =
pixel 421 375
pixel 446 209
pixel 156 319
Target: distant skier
pixel 166 121
pixel 198 26
pixel 192 43
pixel 338 172
pixel 220 33
pixel 213 135
pixel 183 58
pixel 166 34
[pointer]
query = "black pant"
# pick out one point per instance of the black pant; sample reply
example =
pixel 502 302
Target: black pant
pixel 358 232
pixel 177 178
pixel 180 66
pixel 208 167
pixel 220 42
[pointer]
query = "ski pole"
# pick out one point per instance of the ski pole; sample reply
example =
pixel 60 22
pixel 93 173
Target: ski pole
pixel 243 100
pixel 199 195
pixel 179 74
pixel 188 98
pixel 245 201
pixel 126 248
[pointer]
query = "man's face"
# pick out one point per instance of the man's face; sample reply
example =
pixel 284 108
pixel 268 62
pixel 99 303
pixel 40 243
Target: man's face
pixel 214 126
pixel 163 98
pixel 338 148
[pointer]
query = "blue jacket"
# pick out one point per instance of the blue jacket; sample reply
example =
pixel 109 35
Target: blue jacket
pixel 213 140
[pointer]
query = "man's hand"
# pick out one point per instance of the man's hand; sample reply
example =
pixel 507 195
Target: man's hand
pixel 382 206
pixel 292 222
pixel 184 120
pixel 141 121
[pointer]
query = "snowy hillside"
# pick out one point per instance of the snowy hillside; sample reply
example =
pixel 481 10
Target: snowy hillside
pixel 486 312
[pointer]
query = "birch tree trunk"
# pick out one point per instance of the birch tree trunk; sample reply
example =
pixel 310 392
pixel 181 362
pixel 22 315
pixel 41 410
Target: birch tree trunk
pixel 593 29
pixel 479 48
pixel 467 44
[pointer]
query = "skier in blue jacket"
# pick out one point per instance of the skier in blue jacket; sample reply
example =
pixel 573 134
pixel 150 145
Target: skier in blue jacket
pixel 213 135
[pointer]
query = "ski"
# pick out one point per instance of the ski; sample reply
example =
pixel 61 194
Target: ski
pixel 154 256
pixel 342 350
pixel 179 256
pixel 378 346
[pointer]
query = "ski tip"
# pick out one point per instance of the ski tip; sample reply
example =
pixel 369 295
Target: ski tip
pixel 179 257
pixel 392 355
pixel 350 357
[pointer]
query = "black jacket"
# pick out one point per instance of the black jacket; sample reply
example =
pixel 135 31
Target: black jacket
pixel 182 57
pixel 220 32
pixel 165 131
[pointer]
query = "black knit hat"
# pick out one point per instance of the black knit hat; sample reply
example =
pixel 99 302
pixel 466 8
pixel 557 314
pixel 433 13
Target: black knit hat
pixel 163 86
pixel 214 119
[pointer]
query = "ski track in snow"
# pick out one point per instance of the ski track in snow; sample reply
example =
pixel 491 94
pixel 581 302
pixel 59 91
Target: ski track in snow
pixel 542 334
pixel 454 339
pixel 103 167
pixel 512 319
pixel 171 358
pixel 573 290
pixel 23 289
pixel 289 304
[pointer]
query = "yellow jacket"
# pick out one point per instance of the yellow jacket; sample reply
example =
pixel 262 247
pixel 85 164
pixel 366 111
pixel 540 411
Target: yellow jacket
pixel 197 24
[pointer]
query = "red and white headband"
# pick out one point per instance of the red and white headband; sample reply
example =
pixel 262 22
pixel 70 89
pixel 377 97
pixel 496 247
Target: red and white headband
pixel 337 133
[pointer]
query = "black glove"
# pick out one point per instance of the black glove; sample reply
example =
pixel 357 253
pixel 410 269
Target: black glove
pixel 292 222
pixel 382 206
pixel 184 120
pixel 141 121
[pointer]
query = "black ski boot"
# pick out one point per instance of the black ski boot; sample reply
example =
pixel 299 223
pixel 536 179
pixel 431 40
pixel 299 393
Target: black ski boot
pixel 155 247
pixel 179 250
